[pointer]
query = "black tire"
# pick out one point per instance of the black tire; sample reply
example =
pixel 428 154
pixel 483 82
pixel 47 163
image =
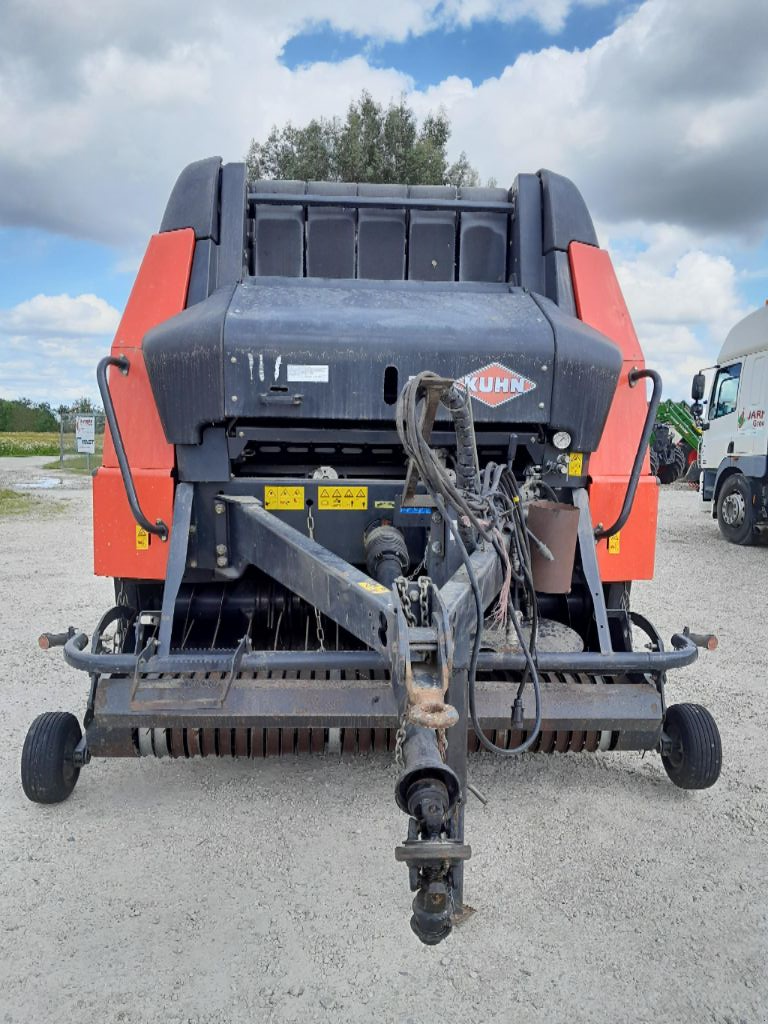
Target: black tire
pixel 736 511
pixel 48 774
pixel 654 456
pixel 696 753
pixel 694 472
pixel 680 459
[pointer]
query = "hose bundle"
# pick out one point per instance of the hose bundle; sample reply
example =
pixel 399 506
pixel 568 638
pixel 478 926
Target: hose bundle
pixel 484 507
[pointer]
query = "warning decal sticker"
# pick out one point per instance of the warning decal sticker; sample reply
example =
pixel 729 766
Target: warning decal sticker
pixel 284 499
pixel 343 499
pixel 142 539
pixel 614 544
pixel 575 464
pixel 496 384
pixel 373 588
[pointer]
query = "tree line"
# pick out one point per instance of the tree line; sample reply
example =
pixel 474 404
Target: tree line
pixel 372 143
pixel 23 415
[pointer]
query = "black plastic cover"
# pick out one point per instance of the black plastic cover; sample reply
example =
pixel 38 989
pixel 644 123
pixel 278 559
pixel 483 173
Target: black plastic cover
pixel 313 351
pixel 184 360
pixel 566 217
pixel 194 201
pixel 586 371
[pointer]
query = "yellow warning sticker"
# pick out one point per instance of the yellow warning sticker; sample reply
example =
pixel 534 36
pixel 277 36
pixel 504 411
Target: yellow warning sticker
pixel 614 544
pixel 575 464
pixel 342 499
pixel 383 504
pixel 284 499
pixel 142 539
pixel 373 588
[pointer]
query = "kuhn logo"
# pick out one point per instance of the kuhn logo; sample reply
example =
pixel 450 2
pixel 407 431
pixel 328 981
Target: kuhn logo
pixel 496 384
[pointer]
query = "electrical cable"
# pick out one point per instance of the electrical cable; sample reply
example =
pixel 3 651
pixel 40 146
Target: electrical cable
pixel 476 506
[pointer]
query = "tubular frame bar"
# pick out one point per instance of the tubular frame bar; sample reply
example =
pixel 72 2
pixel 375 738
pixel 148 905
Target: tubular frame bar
pixel 684 652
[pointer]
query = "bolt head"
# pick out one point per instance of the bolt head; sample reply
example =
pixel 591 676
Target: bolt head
pixel 219 508
pixel 221 561
pixel 221 549
pixel 233 359
pixel 234 398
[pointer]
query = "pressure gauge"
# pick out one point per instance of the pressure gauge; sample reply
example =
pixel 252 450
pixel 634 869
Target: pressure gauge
pixel 562 440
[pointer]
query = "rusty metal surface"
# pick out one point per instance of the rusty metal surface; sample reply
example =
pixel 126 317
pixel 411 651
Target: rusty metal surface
pixel 265 716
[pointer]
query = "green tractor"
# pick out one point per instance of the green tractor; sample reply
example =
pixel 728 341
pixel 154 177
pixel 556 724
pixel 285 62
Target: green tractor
pixel 675 442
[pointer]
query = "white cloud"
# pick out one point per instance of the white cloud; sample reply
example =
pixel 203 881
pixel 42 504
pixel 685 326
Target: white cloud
pixel 59 316
pixel 97 116
pixel 659 123
pixel 681 312
pixel 50 344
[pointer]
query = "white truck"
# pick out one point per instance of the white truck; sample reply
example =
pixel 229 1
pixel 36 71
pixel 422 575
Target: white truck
pixel 733 451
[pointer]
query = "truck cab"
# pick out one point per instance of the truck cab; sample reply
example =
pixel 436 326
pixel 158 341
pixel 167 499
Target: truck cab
pixel 734 442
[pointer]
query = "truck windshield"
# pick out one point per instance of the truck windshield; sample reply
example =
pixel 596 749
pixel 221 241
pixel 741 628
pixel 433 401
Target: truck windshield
pixel 725 391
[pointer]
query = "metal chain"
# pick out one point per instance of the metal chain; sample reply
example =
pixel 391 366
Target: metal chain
pixel 318 619
pixel 442 742
pixel 424 584
pixel 399 741
pixel 405 600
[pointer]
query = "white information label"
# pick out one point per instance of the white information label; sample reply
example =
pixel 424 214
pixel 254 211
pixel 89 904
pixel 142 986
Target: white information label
pixel 85 434
pixel 315 373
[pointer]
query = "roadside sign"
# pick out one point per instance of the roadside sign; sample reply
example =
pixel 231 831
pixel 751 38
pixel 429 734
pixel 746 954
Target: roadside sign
pixel 85 433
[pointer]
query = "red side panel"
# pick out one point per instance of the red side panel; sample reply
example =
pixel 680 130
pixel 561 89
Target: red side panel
pixel 599 302
pixel 117 548
pixel 159 292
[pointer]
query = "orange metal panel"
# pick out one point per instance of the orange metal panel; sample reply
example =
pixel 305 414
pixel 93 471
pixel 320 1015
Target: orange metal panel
pixel 137 416
pixel 116 549
pixel 160 288
pixel 159 292
pixel 600 303
pixel 629 556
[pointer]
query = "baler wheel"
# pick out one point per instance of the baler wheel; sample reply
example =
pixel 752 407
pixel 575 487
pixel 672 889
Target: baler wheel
pixel 695 753
pixel 48 771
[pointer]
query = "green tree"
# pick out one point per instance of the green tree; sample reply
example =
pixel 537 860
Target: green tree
pixel 22 414
pixel 372 143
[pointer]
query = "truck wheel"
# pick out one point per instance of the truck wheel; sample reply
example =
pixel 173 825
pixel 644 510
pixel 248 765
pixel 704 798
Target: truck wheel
pixel 48 772
pixel 694 754
pixel 736 510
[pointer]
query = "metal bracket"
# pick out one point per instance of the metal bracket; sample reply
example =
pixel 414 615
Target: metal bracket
pixel 426 685
pixel 591 569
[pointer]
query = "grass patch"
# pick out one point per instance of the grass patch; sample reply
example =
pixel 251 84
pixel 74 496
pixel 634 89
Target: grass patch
pixel 75 464
pixel 22 443
pixel 14 504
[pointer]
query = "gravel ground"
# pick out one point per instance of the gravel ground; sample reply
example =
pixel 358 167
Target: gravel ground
pixel 206 891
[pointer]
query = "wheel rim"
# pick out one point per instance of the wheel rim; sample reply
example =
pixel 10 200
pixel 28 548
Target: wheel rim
pixel 675 755
pixel 69 770
pixel 734 509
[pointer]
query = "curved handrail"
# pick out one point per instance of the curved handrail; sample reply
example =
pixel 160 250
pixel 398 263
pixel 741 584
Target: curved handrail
pixel 159 528
pixel 650 418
